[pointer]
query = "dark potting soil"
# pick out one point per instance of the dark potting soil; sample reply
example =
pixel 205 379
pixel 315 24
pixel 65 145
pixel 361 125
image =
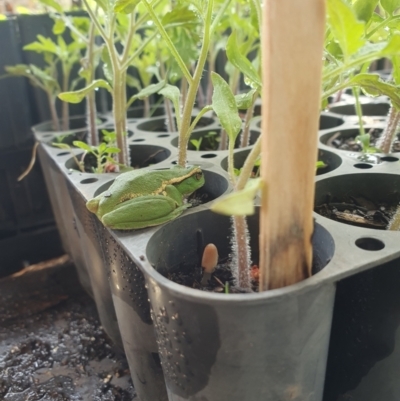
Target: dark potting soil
pixel 221 277
pixel 358 211
pixel 52 346
pixel 349 143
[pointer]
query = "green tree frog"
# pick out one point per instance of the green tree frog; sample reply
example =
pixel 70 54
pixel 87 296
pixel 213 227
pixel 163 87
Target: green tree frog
pixel 145 198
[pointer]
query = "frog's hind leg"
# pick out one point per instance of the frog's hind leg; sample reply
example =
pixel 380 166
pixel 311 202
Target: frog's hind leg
pixel 146 211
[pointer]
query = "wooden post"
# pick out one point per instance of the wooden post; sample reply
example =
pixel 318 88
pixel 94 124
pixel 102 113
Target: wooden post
pixel 292 43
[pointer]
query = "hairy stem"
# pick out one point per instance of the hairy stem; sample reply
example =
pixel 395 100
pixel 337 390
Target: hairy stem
pixel 146 107
pixel 241 252
pixel 246 126
pixel 386 139
pixel 119 113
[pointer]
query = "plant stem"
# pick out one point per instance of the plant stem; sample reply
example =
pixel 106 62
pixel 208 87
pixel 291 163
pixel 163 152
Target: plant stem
pixel 167 103
pixel 119 113
pixel 53 111
pixel 248 166
pixel 91 97
pixel 241 252
pixel 246 126
pixel 65 105
pixel 386 139
pixel 193 88
pixel 358 109
pixel 231 163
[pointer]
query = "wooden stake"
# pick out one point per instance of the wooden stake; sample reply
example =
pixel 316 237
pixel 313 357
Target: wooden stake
pixel 293 35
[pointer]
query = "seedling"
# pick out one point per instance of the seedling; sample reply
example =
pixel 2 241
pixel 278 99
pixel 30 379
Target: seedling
pixel 122 19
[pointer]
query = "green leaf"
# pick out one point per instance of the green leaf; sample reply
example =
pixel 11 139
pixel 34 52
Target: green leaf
pixel 396 69
pixel 112 150
pixel 3 17
pixel 373 85
pixel 103 4
pixel 43 45
pixel 145 92
pixel 346 28
pixel 58 27
pixel 173 93
pixel 390 6
pixel 82 145
pixel 125 6
pixel 78 96
pixel 238 203
pixel 53 4
pixel 245 100
pixel 224 105
pixel 61 145
pixel 241 62
pixel 364 9
pixel 320 164
pixel 107 67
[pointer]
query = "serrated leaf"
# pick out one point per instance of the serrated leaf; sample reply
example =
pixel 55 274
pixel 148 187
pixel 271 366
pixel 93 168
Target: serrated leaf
pixel 390 6
pixel 241 62
pixel 345 26
pixel 364 9
pixel 239 203
pixel 245 100
pixel 78 96
pixel 42 45
pixel 53 4
pixel 125 6
pixel 82 145
pixel 224 105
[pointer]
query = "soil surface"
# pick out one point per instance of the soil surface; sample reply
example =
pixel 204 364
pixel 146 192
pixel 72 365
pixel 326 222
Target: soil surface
pixel 349 143
pixel 52 346
pixel 358 211
pixel 219 281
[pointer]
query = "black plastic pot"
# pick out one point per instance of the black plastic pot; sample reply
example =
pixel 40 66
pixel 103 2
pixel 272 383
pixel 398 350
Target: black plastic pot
pixel 270 345
pixel 15 111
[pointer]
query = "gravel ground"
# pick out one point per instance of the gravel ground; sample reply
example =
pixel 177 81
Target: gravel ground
pixel 52 346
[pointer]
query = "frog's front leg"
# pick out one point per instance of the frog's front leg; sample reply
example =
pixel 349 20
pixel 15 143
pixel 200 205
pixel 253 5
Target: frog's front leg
pixel 145 211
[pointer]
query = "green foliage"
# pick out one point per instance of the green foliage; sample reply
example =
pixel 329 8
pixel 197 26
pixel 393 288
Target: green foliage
pixel 79 95
pixel 364 9
pixel 224 106
pixel 390 6
pixel 241 62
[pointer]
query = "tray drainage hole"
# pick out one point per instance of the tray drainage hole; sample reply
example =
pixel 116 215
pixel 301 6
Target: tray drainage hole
pixel 370 244
pixel 138 140
pixel 174 162
pixel 163 136
pixel 208 155
pixel 89 180
pixel 389 159
pixel 63 153
pixel 363 166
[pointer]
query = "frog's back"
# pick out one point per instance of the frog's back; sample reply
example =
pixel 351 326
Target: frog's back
pixel 140 182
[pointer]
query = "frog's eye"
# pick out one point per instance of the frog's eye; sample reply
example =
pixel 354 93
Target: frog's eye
pixel 199 175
